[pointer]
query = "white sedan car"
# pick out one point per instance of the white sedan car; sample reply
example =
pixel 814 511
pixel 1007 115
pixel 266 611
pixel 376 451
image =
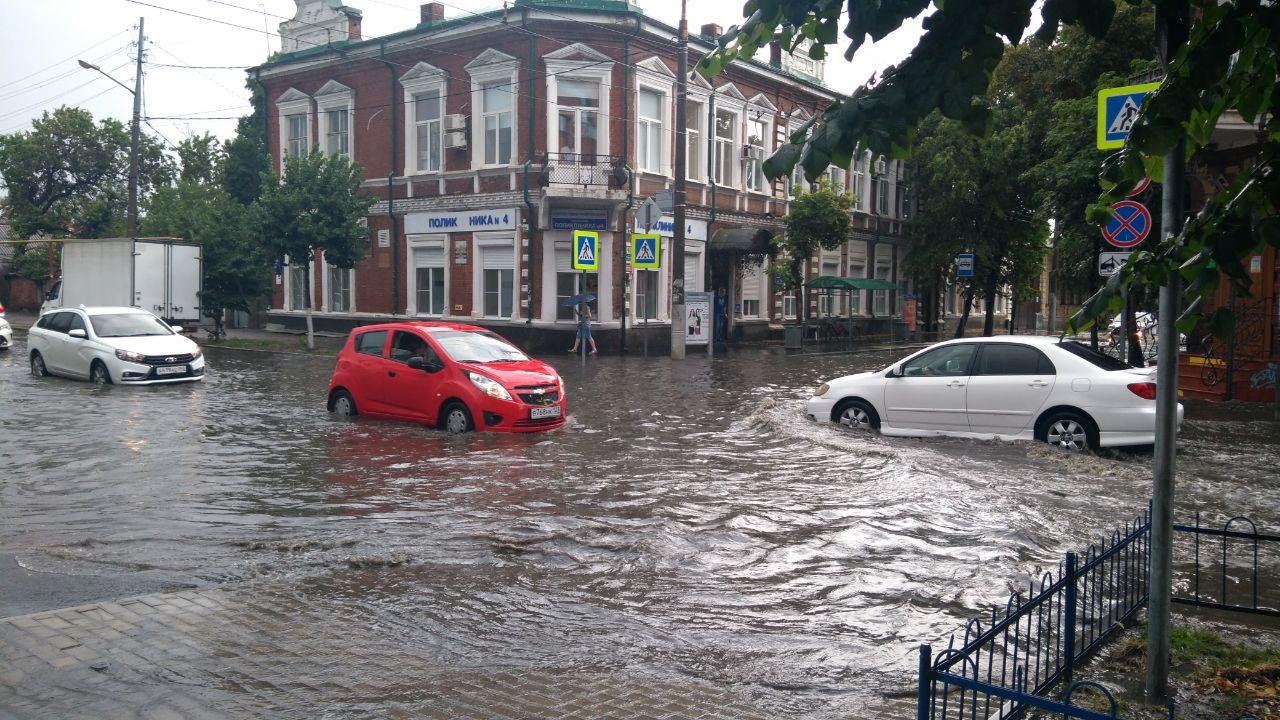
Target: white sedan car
pixel 6 332
pixel 1011 387
pixel 108 345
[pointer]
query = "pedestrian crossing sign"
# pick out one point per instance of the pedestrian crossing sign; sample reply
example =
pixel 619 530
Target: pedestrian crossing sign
pixel 586 250
pixel 1117 110
pixel 646 251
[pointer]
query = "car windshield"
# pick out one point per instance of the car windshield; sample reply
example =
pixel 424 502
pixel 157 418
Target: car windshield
pixel 467 346
pixel 128 325
pixel 1080 350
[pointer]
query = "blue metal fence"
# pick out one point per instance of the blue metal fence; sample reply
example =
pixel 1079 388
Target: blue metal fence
pixel 1006 665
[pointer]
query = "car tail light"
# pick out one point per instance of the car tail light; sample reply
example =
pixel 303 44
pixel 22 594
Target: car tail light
pixel 1144 390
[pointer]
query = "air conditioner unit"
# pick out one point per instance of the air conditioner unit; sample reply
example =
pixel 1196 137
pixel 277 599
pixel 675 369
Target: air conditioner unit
pixel 752 152
pixel 455 122
pixel 455 139
pixel 880 165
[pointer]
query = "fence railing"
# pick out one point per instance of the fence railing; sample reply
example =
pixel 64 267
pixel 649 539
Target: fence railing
pixel 1007 664
pixel 1251 546
pixel 582 169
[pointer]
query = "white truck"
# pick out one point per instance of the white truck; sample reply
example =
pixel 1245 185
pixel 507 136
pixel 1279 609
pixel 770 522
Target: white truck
pixel 162 276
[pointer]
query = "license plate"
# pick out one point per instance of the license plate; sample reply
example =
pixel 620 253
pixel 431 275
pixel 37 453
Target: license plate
pixel 172 370
pixel 544 412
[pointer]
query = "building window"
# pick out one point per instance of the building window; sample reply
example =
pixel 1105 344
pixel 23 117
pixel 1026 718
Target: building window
pixel 752 284
pixel 857 269
pixel 573 283
pixel 884 266
pixel 835 177
pixel 298 136
pixel 649 136
pixel 337 133
pixel 297 286
pixel 578 111
pixel 430 284
pixel 726 142
pixel 647 294
pixel 427 128
pixel 339 289
pixel 496 122
pixel 695 151
pixel 757 131
pixel 498 286
pixel 789 305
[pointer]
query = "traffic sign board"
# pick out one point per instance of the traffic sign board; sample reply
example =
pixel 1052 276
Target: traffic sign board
pixel 646 251
pixel 964 265
pixel 649 213
pixel 1140 187
pixel 1109 263
pixel 586 250
pixel 1129 226
pixel 1117 110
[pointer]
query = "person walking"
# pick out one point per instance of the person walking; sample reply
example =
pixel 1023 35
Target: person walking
pixel 584 329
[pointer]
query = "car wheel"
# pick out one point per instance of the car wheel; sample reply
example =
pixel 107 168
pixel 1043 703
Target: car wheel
pixel 98 374
pixel 857 415
pixel 455 419
pixel 37 366
pixel 343 405
pixel 1070 431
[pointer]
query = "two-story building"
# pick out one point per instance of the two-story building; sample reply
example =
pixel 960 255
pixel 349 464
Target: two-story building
pixel 489 137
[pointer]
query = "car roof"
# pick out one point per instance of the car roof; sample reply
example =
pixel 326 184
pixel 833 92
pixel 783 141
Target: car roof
pixel 1038 340
pixel 427 325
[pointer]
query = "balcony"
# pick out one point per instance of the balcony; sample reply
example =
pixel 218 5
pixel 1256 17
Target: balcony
pixel 582 170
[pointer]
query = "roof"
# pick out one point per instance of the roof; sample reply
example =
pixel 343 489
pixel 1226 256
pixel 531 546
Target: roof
pixel 831 282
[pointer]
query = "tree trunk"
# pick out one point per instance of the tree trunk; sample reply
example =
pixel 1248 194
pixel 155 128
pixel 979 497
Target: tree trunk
pixel 964 316
pixel 989 322
pixel 1133 344
pixel 306 285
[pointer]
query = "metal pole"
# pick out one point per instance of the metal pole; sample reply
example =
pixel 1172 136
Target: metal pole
pixel 1171 33
pixel 133 145
pixel 681 170
pixel 924 683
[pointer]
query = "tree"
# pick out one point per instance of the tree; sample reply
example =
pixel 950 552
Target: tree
pixel 67 175
pixel 314 209
pixel 818 219
pixel 236 266
pixel 200 158
pixel 1229 61
pixel 247 160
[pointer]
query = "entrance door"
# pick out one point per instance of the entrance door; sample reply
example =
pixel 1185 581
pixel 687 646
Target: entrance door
pixel 1009 385
pixel 930 394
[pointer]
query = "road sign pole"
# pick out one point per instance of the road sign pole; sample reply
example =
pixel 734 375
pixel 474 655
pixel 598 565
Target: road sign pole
pixel 677 238
pixel 1172 20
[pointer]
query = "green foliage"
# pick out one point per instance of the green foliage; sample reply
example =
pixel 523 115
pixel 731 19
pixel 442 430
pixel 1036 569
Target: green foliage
pixel 32 261
pixel 818 219
pixel 236 265
pixel 315 207
pixel 68 175
pixel 247 161
pixel 200 157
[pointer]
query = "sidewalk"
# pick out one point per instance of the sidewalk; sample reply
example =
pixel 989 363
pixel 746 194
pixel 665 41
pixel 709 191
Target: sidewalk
pixel 269 650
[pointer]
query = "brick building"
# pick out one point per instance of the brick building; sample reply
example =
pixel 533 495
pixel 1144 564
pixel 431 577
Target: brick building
pixel 489 137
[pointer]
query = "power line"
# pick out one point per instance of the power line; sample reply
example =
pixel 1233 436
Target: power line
pixel 46 82
pixel 24 109
pixel 196 67
pixel 71 57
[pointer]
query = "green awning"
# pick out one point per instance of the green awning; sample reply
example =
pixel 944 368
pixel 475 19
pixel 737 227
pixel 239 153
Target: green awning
pixel 832 282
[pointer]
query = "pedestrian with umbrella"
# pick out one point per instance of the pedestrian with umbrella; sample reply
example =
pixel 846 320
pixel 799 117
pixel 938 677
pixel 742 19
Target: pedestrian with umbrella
pixel 582 309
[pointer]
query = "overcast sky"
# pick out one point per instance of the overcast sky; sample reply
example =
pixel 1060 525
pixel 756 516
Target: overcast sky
pixel 41 40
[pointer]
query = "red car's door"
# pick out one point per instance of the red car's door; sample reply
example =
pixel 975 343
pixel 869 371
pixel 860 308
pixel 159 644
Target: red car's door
pixel 412 392
pixel 366 374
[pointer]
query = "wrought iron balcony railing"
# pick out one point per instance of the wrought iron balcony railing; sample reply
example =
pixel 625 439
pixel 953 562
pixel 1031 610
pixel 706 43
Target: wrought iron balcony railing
pixel 583 170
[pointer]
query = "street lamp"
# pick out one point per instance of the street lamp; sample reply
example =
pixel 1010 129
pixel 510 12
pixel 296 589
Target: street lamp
pixel 137 117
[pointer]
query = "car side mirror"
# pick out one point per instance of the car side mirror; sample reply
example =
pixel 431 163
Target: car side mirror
pixel 78 334
pixel 894 372
pixel 433 365
pixel 176 328
pixel 416 362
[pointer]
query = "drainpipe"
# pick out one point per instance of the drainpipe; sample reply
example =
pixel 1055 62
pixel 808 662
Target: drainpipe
pixel 711 158
pixel 391 175
pixel 626 163
pixel 528 163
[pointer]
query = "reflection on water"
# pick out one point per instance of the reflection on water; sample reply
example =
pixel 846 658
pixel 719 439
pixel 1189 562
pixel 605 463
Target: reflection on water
pixel 687 520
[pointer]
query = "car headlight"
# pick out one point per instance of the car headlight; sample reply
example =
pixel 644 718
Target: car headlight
pixel 196 353
pixel 130 355
pixel 489 386
pixel 821 390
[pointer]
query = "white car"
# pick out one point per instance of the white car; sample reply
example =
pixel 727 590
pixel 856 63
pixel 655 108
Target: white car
pixel 108 345
pixel 6 331
pixel 1010 387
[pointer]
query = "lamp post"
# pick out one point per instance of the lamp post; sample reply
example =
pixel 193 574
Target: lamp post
pixel 134 130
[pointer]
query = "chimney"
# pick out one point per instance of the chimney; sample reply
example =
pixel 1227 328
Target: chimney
pixel 775 54
pixel 712 30
pixel 353 29
pixel 432 13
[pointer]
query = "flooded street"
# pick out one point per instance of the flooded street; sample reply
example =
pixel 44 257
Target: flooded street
pixel 688 521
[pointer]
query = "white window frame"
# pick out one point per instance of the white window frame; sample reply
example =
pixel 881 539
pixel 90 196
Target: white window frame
pixel 480 241
pixel 413 242
pixel 336 96
pixel 288 287
pixel 654 76
pixel 569 63
pixel 734 150
pixel 760 109
pixel 324 278
pixel 421 79
pixel 761 297
pixel 293 102
pixel 645 126
pixel 699 93
pixel 696 141
pixel 492 66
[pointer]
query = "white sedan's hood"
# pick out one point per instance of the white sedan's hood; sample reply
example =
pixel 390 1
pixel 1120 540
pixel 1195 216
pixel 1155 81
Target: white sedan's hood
pixel 152 344
pixel 856 377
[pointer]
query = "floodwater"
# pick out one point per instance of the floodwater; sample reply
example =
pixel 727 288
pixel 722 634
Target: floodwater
pixel 688 520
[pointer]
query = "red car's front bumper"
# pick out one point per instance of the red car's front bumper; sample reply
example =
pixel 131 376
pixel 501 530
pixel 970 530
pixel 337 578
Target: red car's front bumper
pixel 514 416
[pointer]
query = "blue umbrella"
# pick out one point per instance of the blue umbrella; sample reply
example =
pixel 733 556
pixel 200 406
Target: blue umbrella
pixel 578 299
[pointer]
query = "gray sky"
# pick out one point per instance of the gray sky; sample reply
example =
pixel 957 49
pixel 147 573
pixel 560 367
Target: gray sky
pixel 40 41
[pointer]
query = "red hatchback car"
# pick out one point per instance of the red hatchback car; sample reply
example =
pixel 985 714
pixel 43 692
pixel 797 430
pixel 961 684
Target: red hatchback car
pixel 454 377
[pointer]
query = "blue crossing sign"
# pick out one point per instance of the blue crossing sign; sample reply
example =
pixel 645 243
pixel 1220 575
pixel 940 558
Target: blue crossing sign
pixel 1129 226
pixel 964 265
pixel 1117 110
pixel 586 250
pixel 646 251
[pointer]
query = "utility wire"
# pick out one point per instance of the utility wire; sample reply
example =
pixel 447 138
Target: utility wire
pixel 71 57
pixel 41 84
pixel 94 79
